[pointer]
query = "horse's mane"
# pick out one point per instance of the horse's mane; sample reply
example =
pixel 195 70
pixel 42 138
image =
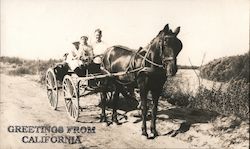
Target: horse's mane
pixel 150 43
pixel 124 47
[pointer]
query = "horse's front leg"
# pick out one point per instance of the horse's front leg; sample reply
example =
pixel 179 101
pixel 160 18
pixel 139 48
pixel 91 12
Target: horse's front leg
pixel 144 108
pixel 155 98
pixel 142 84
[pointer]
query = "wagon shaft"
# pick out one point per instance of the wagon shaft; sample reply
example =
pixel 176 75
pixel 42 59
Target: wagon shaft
pixel 102 76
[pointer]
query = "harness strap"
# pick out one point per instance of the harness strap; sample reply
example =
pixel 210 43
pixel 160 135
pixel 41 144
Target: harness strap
pixel 151 62
pixel 145 57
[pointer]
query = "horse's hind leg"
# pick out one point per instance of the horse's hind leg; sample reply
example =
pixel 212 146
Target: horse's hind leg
pixel 115 101
pixel 103 117
pixel 155 96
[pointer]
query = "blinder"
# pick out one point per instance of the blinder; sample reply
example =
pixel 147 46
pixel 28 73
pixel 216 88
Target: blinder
pixel 163 43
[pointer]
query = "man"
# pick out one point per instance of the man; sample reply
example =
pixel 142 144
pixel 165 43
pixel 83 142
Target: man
pixel 81 55
pixel 99 46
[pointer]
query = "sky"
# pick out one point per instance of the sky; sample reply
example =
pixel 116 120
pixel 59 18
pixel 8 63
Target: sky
pixel 43 29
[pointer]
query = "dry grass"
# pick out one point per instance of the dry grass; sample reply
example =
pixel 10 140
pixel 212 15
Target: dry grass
pixel 226 68
pixel 233 100
pixel 21 66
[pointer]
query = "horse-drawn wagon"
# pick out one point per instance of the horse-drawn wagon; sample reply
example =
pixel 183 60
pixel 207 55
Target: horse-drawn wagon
pixel 122 68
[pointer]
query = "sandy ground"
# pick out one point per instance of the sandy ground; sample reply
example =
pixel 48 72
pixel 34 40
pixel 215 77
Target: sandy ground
pixel 24 103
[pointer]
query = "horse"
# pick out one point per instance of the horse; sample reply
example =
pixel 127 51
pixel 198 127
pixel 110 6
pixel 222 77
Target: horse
pixel 147 69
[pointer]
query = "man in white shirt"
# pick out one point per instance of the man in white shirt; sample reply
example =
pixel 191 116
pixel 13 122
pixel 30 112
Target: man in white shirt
pixel 99 46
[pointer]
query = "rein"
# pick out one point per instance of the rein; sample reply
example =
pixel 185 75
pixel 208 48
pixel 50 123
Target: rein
pixel 151 62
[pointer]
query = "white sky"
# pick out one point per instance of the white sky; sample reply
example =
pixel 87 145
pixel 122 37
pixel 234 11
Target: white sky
pixel 45 28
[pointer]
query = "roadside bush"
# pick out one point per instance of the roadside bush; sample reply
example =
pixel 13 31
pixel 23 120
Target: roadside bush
pixel 11 60
pixel 20 71
pixel 227 68
pixel 233 100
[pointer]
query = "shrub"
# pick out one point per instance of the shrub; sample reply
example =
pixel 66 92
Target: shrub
pixel 233 100
pixel 11 60
pixel 20 71
pixel 227 68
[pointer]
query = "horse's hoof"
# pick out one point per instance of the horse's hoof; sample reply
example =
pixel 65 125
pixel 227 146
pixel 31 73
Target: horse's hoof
pixel 152 136
pixel 145 134
pixel 108 123
pixel 116 122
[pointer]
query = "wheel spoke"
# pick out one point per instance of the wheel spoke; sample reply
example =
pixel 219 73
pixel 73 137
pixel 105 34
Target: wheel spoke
pixel 68 104
pixel 50 99
pixel 67 95
pixel 49 87
pixel 76 108
pixel 74 112
pixel 70 108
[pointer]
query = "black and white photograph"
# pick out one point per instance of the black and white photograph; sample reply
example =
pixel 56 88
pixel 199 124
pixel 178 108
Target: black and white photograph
pixel 90 74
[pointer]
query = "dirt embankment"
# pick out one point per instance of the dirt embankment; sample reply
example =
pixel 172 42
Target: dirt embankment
pixel 24 103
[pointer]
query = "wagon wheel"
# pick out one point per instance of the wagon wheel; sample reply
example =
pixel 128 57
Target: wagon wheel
pixel 71 97
pixel 52 88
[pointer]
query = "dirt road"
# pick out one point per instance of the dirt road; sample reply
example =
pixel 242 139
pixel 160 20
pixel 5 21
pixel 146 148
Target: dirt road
pixel 24 103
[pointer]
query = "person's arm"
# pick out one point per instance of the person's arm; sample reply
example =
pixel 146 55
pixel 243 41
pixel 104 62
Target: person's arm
pixel 90 53
pixel 74 50
pixel 81 55
pixel 76 53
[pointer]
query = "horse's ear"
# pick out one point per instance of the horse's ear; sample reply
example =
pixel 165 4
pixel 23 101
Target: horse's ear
pixel 177 30
pixel 159 33
pixel 166 28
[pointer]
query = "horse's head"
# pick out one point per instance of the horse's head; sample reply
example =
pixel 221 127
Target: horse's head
pixel 169 46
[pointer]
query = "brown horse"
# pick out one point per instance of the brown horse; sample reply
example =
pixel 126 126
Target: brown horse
pixel 147 69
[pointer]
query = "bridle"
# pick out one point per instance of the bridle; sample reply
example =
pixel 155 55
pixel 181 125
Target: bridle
pixel 165 59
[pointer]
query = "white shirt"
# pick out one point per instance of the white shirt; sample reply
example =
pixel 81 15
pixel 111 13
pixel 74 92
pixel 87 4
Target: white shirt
pixel 84 51
pixel 73 58
pixel 99 47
